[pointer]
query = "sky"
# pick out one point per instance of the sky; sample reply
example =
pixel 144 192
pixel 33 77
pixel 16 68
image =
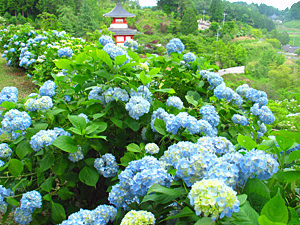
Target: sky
pixel 280 4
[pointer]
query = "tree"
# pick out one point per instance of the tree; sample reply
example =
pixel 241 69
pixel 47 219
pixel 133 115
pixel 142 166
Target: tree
pixel 189 23
pixel 85 19
pixel 169 6
pixel 283 37
pixel 48 21
pixel 216 10
pixel 67 19
pixel 295 11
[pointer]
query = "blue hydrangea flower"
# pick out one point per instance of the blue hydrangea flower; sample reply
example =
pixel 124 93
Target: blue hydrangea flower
pixel 131 44
pixel 222 91
pixel 189 57
pixel 255 109
pixel 216 145
pixel 47 89
pixel 212 197
pixel 120 94
pixel 209 114
pixel 105 39
pixel 67 98
pixel 15 120
pixel 3 205
pixel 243 89
pixel 137 107
pixel 9 94
pixel 107 165
pixel 2 163
pixel 175 102
pixel 239 119
pixel 5 151
pixel 152 148
pixel 206 128
pixel 96 94
pixel 113 51
pixel 175 45
pixel 259 163
pixel 142 91
pixel 42 103
pixel 108 95
pixel 65 52
pixel 138 218
pixel 161 114
pixel 76 156
pixel 266 116
pixel 31 200
pixel 22 216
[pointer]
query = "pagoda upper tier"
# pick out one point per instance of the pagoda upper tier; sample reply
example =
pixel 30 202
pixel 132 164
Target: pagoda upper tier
pixel 118 12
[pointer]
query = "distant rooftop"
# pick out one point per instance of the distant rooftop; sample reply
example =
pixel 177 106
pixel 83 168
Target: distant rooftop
pixel 119 12
pixel 120 31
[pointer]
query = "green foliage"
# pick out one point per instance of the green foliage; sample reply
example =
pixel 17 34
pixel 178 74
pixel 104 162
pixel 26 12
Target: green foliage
pixel 216 10
pixel 189 23
pixel 48 21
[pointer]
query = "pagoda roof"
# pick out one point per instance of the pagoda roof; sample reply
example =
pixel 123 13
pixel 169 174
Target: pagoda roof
pixel 119 12
pixel 120 31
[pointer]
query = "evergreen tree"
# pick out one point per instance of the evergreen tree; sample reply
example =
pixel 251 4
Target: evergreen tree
pixel 85 19
pixel 67 19
pixel 216 10
pixel 189 23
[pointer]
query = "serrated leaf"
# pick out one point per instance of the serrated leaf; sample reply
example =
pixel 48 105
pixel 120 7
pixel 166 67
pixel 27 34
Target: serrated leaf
pixel 120 59
pixel 185 212
pixel 133 148
pixel 246 142
pixel 295 155
pixel 60 166
pixel 263 220
pixel 58 213
pixel 89 176
pixel 47 185
pixel 65 194
pixel 117 122
pixel 23 149
pixel 15 167
pixel 154 71
pixel 78 122
pixel 47 161
pixel 204 221
pixel 160 126
pixel 66 144
pixel 12 201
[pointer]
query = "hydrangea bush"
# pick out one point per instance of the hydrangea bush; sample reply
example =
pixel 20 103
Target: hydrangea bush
pixel 108 141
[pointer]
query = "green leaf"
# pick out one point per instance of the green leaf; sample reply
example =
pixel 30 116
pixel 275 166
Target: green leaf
pixel 132 124
pixel 294 218
pixel 263 220
pixel 166 90
pixel 47 185
pixel 60 166
pixel 287 176
pixel 117 122
pixel 276 210
pixel 98 115
pixel 284 142
pixel 47 197
pixel 102 55
pixel 246 142
pixel 128 157
pixel 12 201
pixel 66 144
pixel 99 127
pixel 193 97
pixel 120 59
pixel 23 149
pixel 8 105
pixel 58 213
pixel 75 130
pixel 15 167
pixel 144 78
pixel 242 199
pixel 133 148
pixel 78 122
pixel 89 176
pixel 295 155
pixel 164 190
pixel 154 71
pixel 258 193
pixel 204 221
pixel 47 161
pixel 65 194
pixel 245 216
pixel 185 212
pixel 62 63
pixel 160 126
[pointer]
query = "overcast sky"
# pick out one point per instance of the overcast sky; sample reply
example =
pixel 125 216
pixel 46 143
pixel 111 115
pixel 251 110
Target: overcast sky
pixel 280 4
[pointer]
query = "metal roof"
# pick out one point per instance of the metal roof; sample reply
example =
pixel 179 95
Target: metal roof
pixel 119 12
pixel 124 31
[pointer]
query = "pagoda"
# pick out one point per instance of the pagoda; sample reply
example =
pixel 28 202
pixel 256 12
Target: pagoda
pixel 119 25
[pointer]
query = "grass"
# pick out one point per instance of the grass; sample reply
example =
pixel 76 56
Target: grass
pixel 10 76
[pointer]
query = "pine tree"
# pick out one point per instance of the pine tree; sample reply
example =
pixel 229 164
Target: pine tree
pixel 216 10
pixel 189 22
pixel 85 19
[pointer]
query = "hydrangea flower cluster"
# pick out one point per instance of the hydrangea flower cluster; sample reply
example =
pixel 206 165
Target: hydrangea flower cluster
pixel 15 120
pixel 189 57
pixel 46 137
pixel 48 88
pixel 136 180
pixel 65 52
pixel 113 51
pixel 4 193
pixel 100 215
pixel 107 166
pixel 96 94
pixel 5 151
pixel 109 95
pixel 137 107
pixel 40 103
pixel 142 91
pixel 152 148
pixel 141 217
pixel 213 79
pixel 214 198
pixel 131 44
pixel 259 163
pixel 9 94
pixel 222 91
pixel 216 145
pixel 175 102
pixel 105 39
pixel 29 202
pixel 239 119
pixel 175 45
pixel 209 114
pixel 76 156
